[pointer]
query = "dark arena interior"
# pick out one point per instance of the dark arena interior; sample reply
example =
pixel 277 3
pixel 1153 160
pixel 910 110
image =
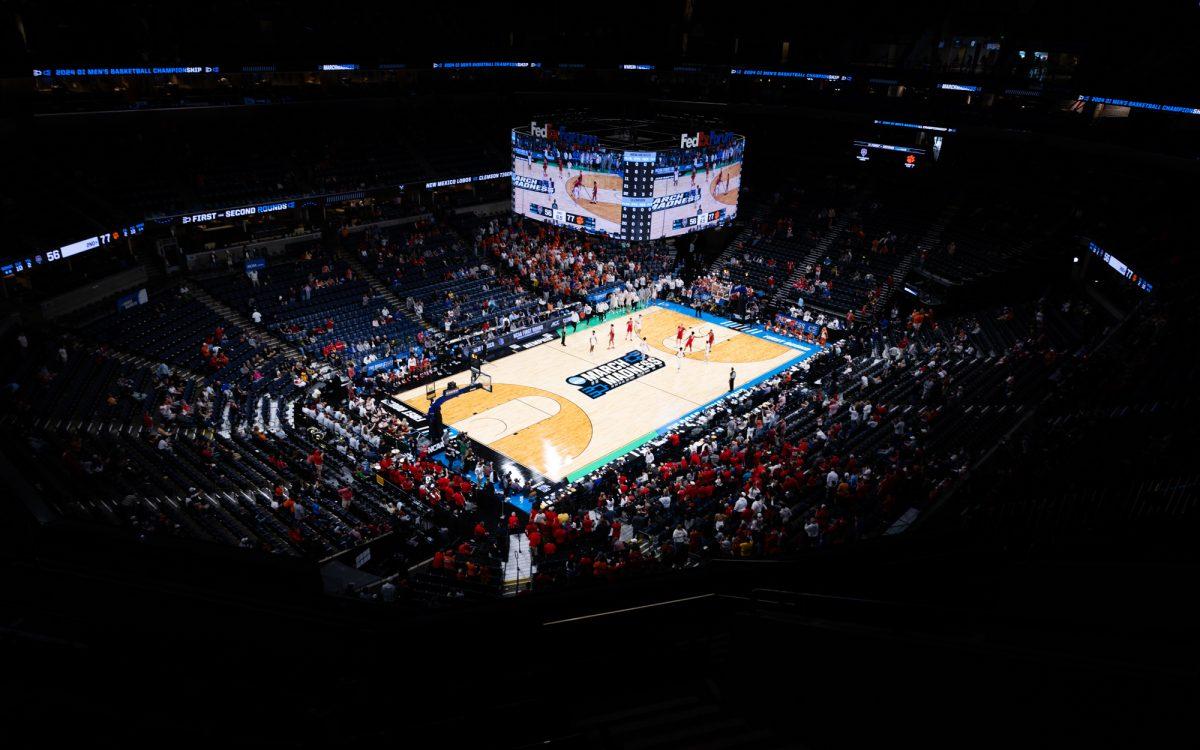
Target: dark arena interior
pixel 634 375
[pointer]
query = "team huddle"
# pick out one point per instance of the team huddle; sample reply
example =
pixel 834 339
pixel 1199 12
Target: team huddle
pixel 633 332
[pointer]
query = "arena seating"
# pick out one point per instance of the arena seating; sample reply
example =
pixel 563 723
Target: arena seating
pixel 998 235
pixel 173 328
pixel 562 265
pixel 781 236
pixel 408 256
pixel 137 430
pixel 914 442
pixel 319 156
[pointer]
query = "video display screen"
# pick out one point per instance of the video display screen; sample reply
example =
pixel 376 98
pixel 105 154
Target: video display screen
pixel 567 185
pixel 696 188
pixel 633 195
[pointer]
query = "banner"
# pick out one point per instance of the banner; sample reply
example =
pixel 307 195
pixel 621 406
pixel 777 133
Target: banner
pixel 600 294
pixel 796 323
pixel 550 325
pixel 132 300
pixel 255 264
pixel 379 365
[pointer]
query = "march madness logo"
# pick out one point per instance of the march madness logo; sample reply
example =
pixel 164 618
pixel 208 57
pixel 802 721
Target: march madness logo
pixel 663 202
pixel 600 380
pixel 529 183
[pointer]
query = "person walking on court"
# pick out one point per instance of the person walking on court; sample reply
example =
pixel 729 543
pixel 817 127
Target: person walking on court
pixel 732 377
pixel 679 359
pixel 562 332
pixel 592 342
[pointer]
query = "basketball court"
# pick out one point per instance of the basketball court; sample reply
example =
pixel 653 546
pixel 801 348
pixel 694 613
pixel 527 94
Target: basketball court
pixel 567 410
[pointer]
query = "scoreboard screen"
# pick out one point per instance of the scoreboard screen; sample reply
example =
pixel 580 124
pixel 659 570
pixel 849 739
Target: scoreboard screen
pixel 564 179
pixel 697 187
pixel 557 215
pixel 27 263
pixel 700 221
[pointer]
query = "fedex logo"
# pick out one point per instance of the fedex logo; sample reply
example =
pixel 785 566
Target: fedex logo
pixel 693 141
pixel 546 131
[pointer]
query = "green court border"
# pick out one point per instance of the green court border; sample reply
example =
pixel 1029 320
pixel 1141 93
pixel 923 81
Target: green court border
pixel 638 443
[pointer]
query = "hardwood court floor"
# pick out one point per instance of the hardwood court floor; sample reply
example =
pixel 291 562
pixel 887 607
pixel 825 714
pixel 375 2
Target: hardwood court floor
pixel 735 183
pixel 538 419
pixel 608 203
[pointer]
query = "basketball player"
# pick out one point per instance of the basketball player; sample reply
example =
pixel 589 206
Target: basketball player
pixel 612 336
pixel 592 342
pixel 691 340
pixel 708 344
pixel 576 186
pixel 676 178
pixel 679 336
pixel 629 329
pixel 595 191
pixel 644 347
pixel 637 324
pixel 679 359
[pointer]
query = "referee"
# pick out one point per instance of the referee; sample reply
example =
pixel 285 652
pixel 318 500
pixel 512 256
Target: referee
pixel 732 377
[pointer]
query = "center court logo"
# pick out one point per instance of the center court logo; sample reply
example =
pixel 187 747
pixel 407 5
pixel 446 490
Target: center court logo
pixel 600 380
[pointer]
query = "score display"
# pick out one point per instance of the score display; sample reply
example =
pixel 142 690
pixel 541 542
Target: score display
pixel 554 213
pixel 699 221
pixel 910 156
pixel 1112 262
pixel 20 265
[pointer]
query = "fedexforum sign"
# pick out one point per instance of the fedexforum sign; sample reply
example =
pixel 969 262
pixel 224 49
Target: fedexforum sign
pixel 600 380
